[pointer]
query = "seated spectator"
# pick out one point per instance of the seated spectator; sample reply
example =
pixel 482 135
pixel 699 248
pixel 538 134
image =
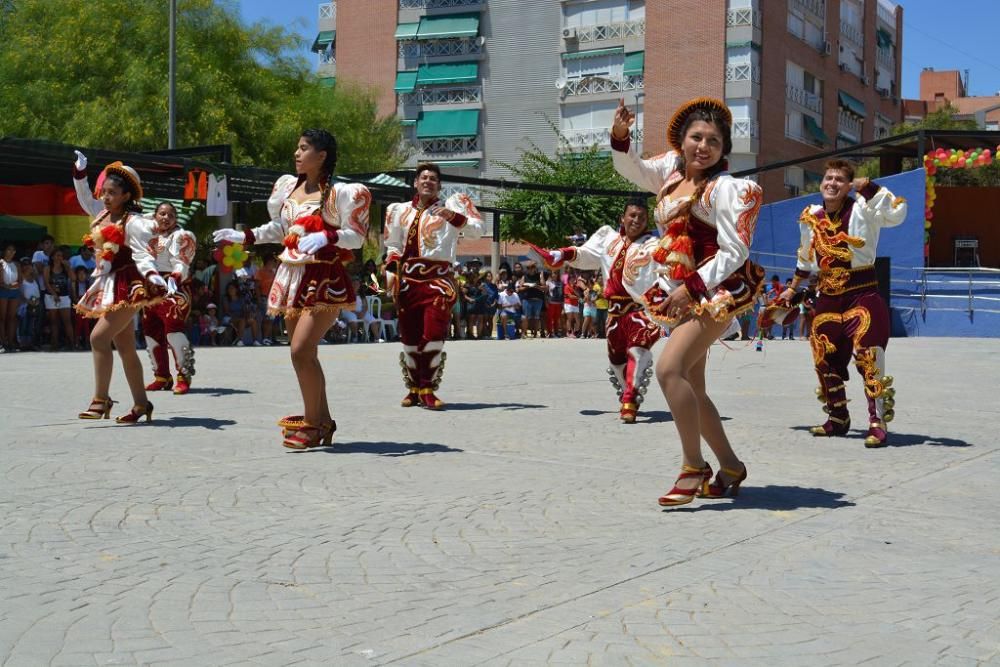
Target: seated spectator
pixel 359 315
pixel 510 310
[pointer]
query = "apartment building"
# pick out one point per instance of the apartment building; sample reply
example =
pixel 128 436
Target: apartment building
pixel 474 81
pixel 948 87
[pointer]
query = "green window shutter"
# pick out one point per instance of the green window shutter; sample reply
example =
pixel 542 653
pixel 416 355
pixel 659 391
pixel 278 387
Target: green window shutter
pixel 438 73
pixel 593 53
pixel 328 81
pixel 407 30
pixel 405 82
pixel 448 124
pixel 324 39
pixel 851 103
pixel 883 38
pixel 813 128
pixel 454 25
pixel 635 63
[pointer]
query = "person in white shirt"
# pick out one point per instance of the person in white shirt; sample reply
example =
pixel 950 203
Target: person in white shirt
pixel 10 296
pixel 510 308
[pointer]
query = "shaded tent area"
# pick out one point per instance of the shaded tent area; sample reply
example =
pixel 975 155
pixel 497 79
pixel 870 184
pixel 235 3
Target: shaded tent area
pixel 36 184
pixel 15 229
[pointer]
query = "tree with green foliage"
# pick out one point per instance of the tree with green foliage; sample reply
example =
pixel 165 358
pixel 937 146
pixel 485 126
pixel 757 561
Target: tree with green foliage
pixel 94 73
pixel 548 218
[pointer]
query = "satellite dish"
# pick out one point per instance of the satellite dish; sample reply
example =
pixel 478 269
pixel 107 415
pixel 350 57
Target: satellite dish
pixel 560 83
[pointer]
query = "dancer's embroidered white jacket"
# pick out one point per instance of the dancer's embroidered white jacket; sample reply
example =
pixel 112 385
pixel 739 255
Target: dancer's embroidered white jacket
pixel 438 227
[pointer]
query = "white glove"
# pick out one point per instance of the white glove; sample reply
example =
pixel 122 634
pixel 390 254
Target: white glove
pixel 103 267
pixel 81 161
pixel 171 285
pixel 229 235
pixel 556 256
pixel 157 279
pixel 311 243
pixel 242 273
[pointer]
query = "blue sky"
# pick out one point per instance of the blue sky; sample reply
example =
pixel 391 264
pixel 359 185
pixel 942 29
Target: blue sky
pixel 961 34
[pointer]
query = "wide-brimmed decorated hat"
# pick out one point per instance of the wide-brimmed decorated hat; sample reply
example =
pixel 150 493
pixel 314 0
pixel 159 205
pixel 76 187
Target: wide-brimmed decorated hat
pixel 685 110
pixel 129 174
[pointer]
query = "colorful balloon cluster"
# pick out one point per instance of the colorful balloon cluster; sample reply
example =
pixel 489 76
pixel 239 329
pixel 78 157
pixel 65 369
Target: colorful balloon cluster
pixel 950 159
pixel 231 256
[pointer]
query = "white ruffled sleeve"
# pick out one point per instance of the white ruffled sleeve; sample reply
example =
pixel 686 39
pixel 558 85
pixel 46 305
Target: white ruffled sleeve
pixel 462 203
pixel 346 210
pixel 139 232
pixel 393 232
pixel 649 174
pixel 589 256
pixel 735 209
pixel 275 230
pixel 805 258
pixel 182 250
pixel 879 207
pixel 93 207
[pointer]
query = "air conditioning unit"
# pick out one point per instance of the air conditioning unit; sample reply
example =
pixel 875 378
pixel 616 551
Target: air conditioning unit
pixel 793 190
pixel 827 48
pixel 843 67
pixel 569 34
pixel 865 80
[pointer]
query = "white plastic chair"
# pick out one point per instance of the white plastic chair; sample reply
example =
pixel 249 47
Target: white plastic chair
pixel 375 308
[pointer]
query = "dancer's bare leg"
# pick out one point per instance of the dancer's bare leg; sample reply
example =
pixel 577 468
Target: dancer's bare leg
pixel 101 337
pixel 125 345
pixel 304 334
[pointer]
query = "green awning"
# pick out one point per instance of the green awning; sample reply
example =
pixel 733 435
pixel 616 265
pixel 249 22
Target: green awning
pixel 185 212
pixel 448 124
pixel 593 53
pixel 813 128
pixel 405 82
pixel 15 229
pixel 450 25
pixel 634 63
pixel 324 39
pixel 386 179
pixel 328 81
pixel 436 73
pixel 852 104
pixel 458 163
pixel 408 122
pixel 843 137
pixel 883 38
pixel 407 30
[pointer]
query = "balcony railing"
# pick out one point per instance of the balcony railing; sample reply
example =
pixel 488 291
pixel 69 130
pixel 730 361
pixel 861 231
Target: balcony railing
pixel 743 16
pixel 328 57
pixel 849 125
pixel 455 95
pixel 815 7
pixel 852 33
pixel 451 146
pixel 742 72
pixel 597 33
pixel 598 136
pixel 887 16
pixel 439 47
pixel 328 11
pixel 805 99
pixel 746 128
pixel 435 4
pixel 886 58
pixel 593 85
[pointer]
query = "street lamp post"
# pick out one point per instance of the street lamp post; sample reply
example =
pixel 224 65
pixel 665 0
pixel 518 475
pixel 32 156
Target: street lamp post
pixel 172 75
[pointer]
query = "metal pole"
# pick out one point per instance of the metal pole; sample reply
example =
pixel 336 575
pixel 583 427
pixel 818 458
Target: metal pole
pixel 172 74
pixel 495 245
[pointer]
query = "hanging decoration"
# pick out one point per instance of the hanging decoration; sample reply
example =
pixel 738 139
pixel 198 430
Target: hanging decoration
pixel 950 159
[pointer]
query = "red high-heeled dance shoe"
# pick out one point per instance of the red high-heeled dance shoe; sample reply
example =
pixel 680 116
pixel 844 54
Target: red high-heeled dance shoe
pixel 719 488
pixel 160 383
pixel 307 436
pixel 100 408
pixel 136 413
pixel 678 496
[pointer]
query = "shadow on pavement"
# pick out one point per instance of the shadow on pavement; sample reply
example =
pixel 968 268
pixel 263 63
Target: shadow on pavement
pixel 488 406
pixel 218 391
pixel 193 422
pixel 382 448
pixel 651 417
pixel 770 498
pixel 896 439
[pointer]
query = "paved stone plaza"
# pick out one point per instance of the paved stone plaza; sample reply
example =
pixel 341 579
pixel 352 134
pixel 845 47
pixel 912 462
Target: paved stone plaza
pixel 520 527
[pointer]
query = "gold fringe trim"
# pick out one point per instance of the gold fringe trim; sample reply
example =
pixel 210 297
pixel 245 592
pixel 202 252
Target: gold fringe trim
pixel 122 305
pixel 294 313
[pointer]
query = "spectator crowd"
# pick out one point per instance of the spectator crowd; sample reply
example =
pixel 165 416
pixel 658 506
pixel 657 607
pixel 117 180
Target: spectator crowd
pixel 37 294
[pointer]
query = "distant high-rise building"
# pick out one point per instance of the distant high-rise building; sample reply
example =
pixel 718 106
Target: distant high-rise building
pixel 475 81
